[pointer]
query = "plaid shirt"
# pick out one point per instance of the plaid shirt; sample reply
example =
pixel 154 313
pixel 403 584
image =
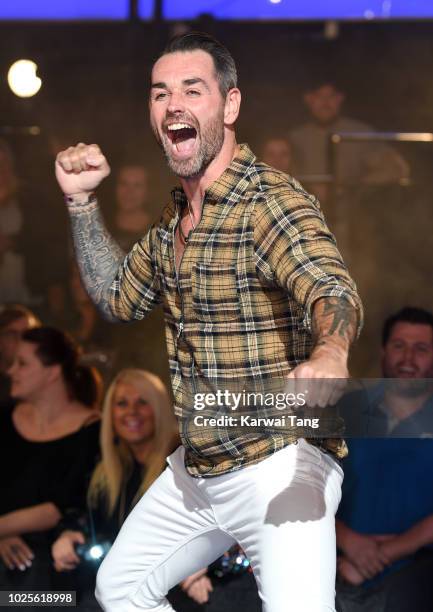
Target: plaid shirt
pixel 240 305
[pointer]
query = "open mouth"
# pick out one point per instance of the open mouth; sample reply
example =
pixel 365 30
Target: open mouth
pixel 182 137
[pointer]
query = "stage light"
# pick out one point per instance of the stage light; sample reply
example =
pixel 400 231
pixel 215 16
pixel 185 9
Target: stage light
pixel 22 78
pixel 275 1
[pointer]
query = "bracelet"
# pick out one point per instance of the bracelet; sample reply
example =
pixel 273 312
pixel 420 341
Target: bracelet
pixel 71 199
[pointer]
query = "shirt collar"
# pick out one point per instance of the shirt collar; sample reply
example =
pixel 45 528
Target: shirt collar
pixel 232 183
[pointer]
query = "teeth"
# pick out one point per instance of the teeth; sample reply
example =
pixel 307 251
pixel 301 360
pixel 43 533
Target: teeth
pixel 178 126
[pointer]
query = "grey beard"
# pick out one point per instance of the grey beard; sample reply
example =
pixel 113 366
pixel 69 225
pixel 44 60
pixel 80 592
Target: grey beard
pixel 212 139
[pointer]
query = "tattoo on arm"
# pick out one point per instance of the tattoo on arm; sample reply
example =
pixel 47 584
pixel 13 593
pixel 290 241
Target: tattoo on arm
pixel 97 253
pixel 334 318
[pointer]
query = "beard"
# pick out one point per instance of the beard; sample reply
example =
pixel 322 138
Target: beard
pixel 211 139
pixel 406 387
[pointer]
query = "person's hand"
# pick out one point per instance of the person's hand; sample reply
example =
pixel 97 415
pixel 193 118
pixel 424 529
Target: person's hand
pixel 80 169
pixel 198 586
pixel 348 572
pixel 63 550
pixel 392 547
pixel 365 553
pixel 322 378
pixel 15 553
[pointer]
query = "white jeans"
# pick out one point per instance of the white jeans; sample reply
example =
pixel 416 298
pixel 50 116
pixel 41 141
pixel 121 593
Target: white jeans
pixel 281 511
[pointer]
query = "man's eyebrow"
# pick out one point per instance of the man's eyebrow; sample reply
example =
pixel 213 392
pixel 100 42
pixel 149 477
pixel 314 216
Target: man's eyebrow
pixel 187 82
pixel 194 81
pixel 160 85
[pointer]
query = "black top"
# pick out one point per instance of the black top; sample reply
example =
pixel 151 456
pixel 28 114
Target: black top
pixel 38 472
pixel 98 524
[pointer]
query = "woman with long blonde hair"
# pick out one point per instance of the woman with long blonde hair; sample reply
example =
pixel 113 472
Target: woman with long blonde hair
pixel 145 437
pixel 138 432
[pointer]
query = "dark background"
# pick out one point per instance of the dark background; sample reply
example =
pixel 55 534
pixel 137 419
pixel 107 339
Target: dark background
pixel 94 89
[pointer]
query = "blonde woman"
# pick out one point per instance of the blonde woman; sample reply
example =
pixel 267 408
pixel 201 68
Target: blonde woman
pixel 138 431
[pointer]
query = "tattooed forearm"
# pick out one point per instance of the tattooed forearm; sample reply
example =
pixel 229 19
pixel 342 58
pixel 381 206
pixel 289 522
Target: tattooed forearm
pixel 98 255
pixel 334 320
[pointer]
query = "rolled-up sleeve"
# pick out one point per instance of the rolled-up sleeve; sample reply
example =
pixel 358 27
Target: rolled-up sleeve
pixel 295 249
pixel 136 289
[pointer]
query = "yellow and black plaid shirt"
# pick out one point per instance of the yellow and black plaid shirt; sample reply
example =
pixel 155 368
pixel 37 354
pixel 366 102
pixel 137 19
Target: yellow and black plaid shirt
pixel 240 306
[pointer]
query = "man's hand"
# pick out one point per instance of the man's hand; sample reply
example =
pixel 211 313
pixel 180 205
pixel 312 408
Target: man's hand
pixel 15 553
pixel 324 373
pixel 198 586
pixel 365 553
pixel 348 572
pixel 80 169
pixel 393 547
pixel 63 550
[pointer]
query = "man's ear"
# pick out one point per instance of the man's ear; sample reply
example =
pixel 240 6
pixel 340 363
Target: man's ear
pixel 232 106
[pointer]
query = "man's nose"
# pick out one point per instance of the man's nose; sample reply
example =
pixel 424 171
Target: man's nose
pixel 409 355
pixel 176 103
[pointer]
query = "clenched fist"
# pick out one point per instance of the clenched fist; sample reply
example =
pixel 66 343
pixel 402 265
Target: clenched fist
pixel 80 169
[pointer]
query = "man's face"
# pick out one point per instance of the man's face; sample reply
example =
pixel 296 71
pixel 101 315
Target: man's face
pixel 324 103
pixel 187 111
pixel 131 188
pixel 277 153
pixel 408 353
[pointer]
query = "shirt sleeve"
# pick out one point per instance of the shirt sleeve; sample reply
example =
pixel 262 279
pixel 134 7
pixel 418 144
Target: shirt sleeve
pixel 136 289
pixel 295 249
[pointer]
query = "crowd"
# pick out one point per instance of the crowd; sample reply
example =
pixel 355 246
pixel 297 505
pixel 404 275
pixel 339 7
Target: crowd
pixel 86 422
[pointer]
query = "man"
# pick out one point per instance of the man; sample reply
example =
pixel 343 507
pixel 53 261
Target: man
pixel 253 287
pixel 277 152
pixel 385 520
pixel 131 215
pixel 356 162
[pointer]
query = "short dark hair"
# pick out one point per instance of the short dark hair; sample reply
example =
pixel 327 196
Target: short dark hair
pixel 408 314
pixel 53 347
pixel 225 67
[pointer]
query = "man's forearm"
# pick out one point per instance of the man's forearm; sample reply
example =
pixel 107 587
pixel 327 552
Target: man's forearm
pixel 335 323
pixel 35 518
pixel 407 543
pixel 98 255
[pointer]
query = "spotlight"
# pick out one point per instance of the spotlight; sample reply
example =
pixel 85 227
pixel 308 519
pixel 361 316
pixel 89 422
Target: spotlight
pixel 22 78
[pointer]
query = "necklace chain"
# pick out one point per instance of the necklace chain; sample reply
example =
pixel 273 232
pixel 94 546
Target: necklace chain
pixel 186 238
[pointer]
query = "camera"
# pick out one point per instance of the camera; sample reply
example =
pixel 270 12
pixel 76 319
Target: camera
pixel 93 551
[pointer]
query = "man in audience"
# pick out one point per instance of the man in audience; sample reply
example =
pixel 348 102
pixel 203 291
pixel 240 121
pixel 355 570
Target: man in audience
pixel 355 162
pixel 385 519
pixel 132 216
pixel 277 152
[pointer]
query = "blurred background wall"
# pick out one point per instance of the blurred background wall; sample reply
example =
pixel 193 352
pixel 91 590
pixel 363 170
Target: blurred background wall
pixel 95 79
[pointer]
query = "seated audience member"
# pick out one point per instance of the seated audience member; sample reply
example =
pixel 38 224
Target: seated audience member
pixel 29 269
pixel 131 214
pixel 15 319
pixel 48 446
pixel 76 314
pixel 140 344
pixel 277 152
pixel 367 162
pixel 385 519
pixel 138 431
